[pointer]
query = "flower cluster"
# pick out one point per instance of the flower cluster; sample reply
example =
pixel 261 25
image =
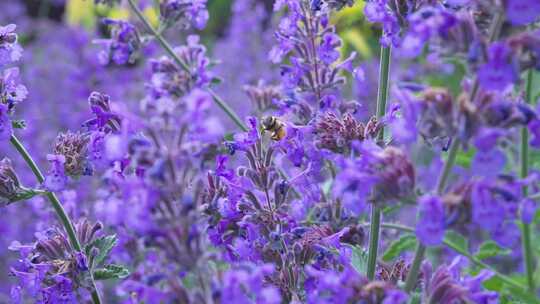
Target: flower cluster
pixel 319 196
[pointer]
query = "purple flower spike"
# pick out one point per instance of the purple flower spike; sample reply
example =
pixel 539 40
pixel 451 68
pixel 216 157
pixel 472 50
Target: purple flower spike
pixel 5 123
pixel 521 12
pixel 10 51
pixel 430 226
pixel 56 179
pixel 500 71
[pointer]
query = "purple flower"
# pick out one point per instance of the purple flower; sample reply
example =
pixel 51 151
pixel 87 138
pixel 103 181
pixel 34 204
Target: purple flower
pixel 534 129
pixel 5 123
pixel 328 49
pixel 488 164
pixel 520 12
pixel 426 23
pixel 395 297
pixel 55 180
pixel 500 70
pixel 528 211
pixel 507 235
pixel 486 139
pixel 404 128
pixel 184 12
pixel 10 187
pixel 446 286
pixel 431 221
pixel 11 91
pixel 487 209
pixel 104 120
pixel 123 45
pixel 10 51
pixel 245 284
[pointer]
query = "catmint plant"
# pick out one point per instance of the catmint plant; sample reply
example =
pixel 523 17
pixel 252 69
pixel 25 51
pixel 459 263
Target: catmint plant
pixel 194 154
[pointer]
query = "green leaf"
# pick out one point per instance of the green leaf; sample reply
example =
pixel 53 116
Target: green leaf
pixel 464 158
pixel 490 249
pixel 451 81
pixel 494 283
pixel 18 124
pixel 406 242
pixel 359 260
pixel 22 194
pixel 111 271
pixel 104 245
pixel 415 298
pixel 522 296
pixel 216 81
pixel 457 240
pixel 228 137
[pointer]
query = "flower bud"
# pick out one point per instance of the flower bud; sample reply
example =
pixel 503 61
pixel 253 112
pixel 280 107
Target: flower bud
pixel 10 186
pixel 104 119
pixel 396 175
pixel 73 146
pixel 262 96
pixel 437 119
pixel 337 134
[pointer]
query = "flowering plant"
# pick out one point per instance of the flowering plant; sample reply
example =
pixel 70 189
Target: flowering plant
pixel 276 165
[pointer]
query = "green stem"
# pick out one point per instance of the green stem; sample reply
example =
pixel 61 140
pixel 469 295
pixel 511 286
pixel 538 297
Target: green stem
pixel 526 228
pixel 166 46
pixel 384 78
pixel 374 231
pixel 469 256
pixel 57 206
pixel 170 51
pixel 382 96
pixel 230 112
pixel 443 178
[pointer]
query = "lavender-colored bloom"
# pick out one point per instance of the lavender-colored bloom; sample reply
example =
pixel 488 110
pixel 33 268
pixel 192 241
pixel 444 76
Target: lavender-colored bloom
pixel 5 123
pixel 487 138
pixel 123 45
pixel 378 11
pixel 105 120
pixel 10 185
pixel 55 180
pixel 11 91
pixel 50 270
pixel 10 51
pixel 184 12
pixel 520 12
pixel 500 70
pixel 487 209
pixel 534 129
pixel 379 175
pixel 404 128
pixel 488 164
pixel 446 286
pixel 507 235
pixel 528 211
pixel 245 285
pixel 73 146
pixel 427 23
pixel 431 220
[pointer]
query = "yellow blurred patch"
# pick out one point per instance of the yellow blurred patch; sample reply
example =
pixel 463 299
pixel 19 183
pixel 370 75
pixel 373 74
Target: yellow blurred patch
pixel 349 14
pixel 80 12
pixel 85 12
pixel 152 15
pixel 118 13
pixel 355 38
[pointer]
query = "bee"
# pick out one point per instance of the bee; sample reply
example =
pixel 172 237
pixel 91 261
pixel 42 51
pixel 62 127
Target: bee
pixel 275 126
